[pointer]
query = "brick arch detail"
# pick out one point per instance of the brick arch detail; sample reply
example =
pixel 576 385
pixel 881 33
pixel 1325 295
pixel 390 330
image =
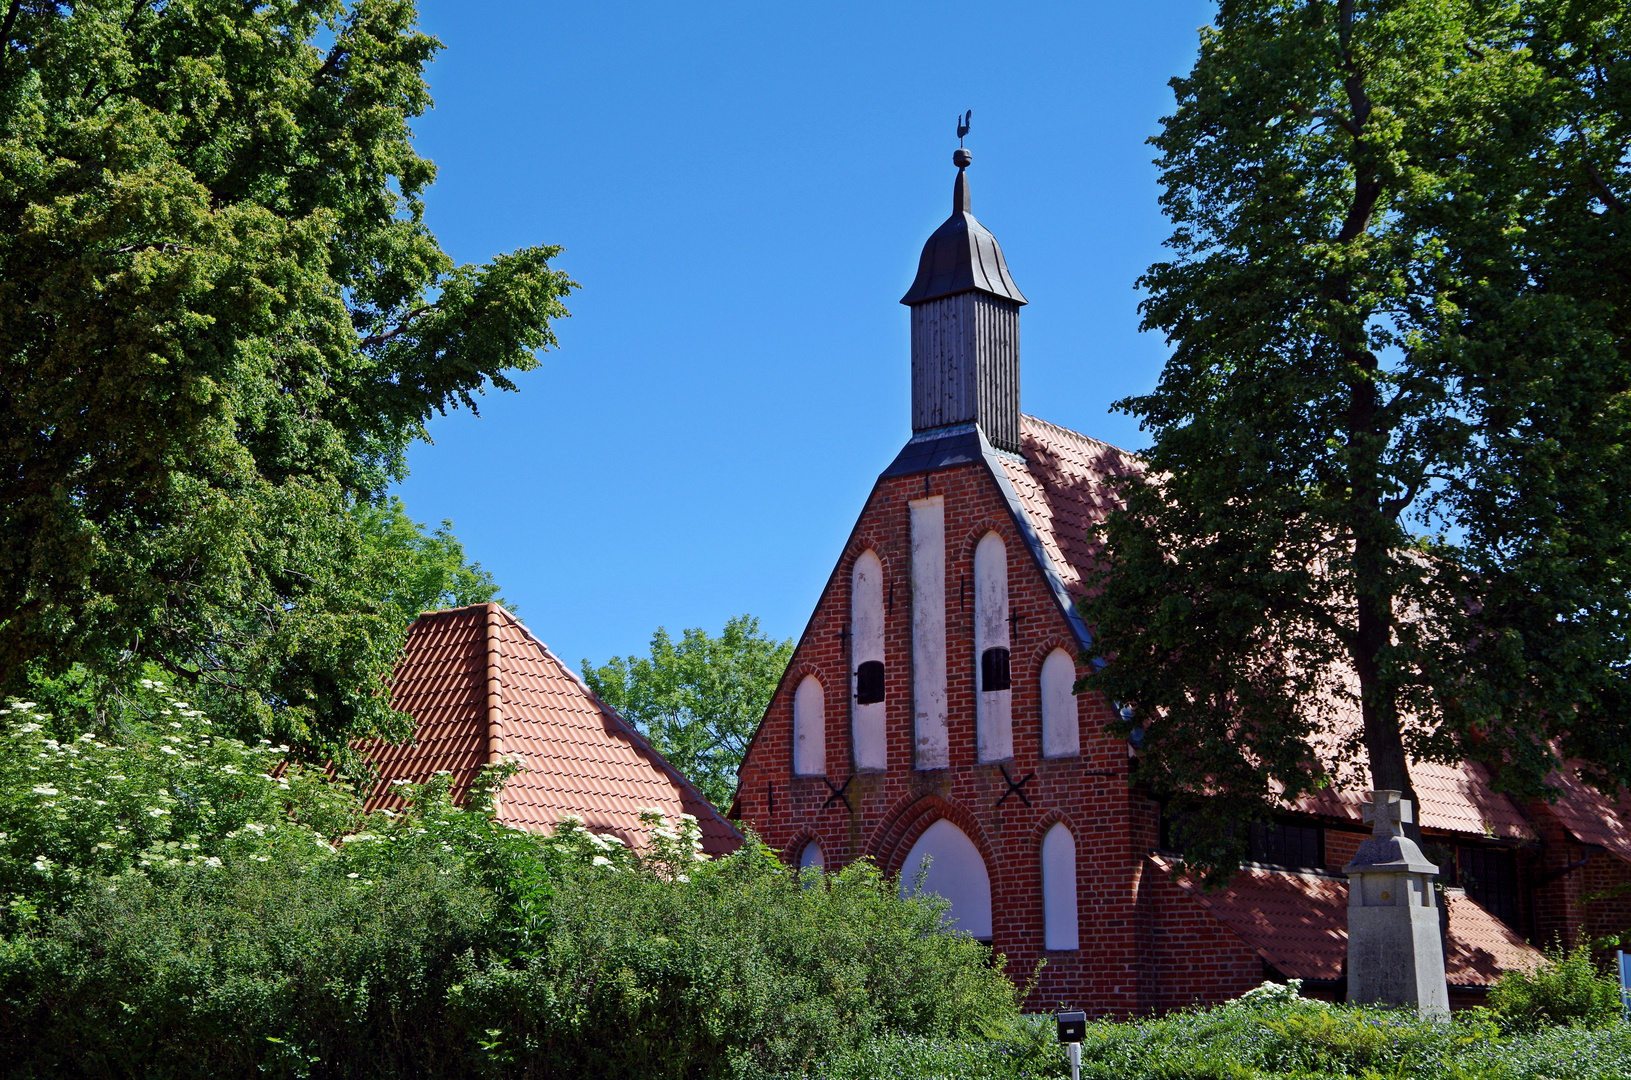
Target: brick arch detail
pixel 1047 645
pixel 799 671
pixel 910 818
pixel 976 532
pixel 801 839
pixel 1048 821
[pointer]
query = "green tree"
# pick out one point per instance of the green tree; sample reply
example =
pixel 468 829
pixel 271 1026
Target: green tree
pixel 222 322
pixel 1389 469
pixel 699 701
pixel 416 569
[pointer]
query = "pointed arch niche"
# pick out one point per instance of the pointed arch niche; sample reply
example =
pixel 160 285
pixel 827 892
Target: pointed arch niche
pixel 956 872
pixel 810 728
pixel 867 671
pixel 1061 725
pixel 1059 921
pixel 994 710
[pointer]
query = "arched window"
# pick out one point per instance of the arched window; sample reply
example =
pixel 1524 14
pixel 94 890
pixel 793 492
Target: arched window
pixel 1059 924
pixel 1061 727
pixel 867 661
pixel 811 856
pixel 810 728
pixel 957 872
pixel 994 709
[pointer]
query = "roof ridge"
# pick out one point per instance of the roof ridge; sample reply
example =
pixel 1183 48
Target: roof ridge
pixel 1073 433
pixel 623 722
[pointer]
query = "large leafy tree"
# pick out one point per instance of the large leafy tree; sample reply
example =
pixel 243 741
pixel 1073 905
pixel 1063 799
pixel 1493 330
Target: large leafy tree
pixel 222 322
pixel 417 569
pixel 1387 509
pixel 698 700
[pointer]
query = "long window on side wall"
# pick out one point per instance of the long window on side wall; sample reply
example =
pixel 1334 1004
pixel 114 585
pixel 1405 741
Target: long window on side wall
pixel 867 709
pixel 994 706
pixel 810 728
pixel 1060 925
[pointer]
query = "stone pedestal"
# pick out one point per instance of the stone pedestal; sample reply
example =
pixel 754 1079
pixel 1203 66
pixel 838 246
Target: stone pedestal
pixel 1395 955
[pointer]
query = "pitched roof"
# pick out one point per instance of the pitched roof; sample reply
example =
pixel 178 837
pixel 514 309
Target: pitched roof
pixel 481 688
pixel 1298 922
pixel 1582 810
pixel 1064 483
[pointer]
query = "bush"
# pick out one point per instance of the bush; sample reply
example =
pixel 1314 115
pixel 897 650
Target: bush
pixel 1025 1050
pixel 234 932
pixel 1566 989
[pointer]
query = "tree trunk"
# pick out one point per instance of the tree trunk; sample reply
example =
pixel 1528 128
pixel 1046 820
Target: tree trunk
pixel 1369 523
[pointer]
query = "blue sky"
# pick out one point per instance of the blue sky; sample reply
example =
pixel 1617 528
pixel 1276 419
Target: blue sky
pixel 742 190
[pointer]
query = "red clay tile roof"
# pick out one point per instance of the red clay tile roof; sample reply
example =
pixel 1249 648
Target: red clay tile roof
pixel 1454 798
pixel 1298 922
pixel 1064 486
pixel 480 688
pixel 1582 810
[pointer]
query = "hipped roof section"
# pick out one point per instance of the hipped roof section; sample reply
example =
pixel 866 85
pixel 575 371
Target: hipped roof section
pixel 1298 922
pixel 1063 483
pixel 481 688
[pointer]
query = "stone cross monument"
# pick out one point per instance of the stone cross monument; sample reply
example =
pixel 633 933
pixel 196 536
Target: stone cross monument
pixel 1395 956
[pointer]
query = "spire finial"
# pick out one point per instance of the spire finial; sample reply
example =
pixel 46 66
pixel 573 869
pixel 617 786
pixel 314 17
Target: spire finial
pixel 961 158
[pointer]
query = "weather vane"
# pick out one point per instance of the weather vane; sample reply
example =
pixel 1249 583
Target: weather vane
pixel 962 127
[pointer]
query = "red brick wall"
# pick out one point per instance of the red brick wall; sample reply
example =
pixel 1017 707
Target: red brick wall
pixel 1113 827
pixel 1192 958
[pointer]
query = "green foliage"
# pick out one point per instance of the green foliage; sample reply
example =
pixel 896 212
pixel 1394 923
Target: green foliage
pixel 222 322
pixel 699 701
pixel 175 793
pixel 1027 1050
pixel 1308 1040
pixel 418 570
pixel 263 924
pixel 1388 471
pixel 1566 989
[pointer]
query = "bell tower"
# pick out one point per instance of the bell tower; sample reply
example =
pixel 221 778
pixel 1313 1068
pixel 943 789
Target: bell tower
pixel 965 327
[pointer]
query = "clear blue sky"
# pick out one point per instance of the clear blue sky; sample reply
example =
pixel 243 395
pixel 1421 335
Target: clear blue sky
pixel 742 190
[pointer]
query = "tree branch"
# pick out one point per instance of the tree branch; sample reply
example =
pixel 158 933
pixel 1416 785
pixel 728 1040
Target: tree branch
pixel 135 10
pixel 1611 200
pixel 399 329
pixel 331 63
pixel 11 21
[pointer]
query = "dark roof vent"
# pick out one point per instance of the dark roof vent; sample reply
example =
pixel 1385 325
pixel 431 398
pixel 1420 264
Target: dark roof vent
pixel 962 255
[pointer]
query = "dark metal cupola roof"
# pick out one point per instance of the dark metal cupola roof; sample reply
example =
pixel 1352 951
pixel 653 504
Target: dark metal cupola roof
pixel 962 255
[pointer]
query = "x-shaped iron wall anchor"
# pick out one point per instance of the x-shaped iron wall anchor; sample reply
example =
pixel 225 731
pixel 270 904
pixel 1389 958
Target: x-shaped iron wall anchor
pixel 1014 786
pixel 838 794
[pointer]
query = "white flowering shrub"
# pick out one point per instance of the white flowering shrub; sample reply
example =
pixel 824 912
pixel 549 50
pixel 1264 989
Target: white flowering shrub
pixel 172 793
pixel 1270 993
pixel 182 904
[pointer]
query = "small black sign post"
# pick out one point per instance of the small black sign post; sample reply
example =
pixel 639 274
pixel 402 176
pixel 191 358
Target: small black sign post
pixel 1625 984
pixel 1072 1030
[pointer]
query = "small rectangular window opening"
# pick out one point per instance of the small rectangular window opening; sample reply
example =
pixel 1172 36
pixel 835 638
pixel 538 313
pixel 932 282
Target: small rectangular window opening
pixel 869 683
pixel 1490 876
pixel 994 670
pixel 1281 843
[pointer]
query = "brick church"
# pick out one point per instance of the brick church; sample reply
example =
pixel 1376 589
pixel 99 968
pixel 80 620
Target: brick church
pixel 928 712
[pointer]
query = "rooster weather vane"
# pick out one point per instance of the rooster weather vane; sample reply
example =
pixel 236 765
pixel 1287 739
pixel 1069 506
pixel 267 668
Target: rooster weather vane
pixel 962 127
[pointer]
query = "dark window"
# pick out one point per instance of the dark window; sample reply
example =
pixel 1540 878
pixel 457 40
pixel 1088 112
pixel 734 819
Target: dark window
pixel 869 683
pixel 994 670
pixel 1490 876
pixel 1281 843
